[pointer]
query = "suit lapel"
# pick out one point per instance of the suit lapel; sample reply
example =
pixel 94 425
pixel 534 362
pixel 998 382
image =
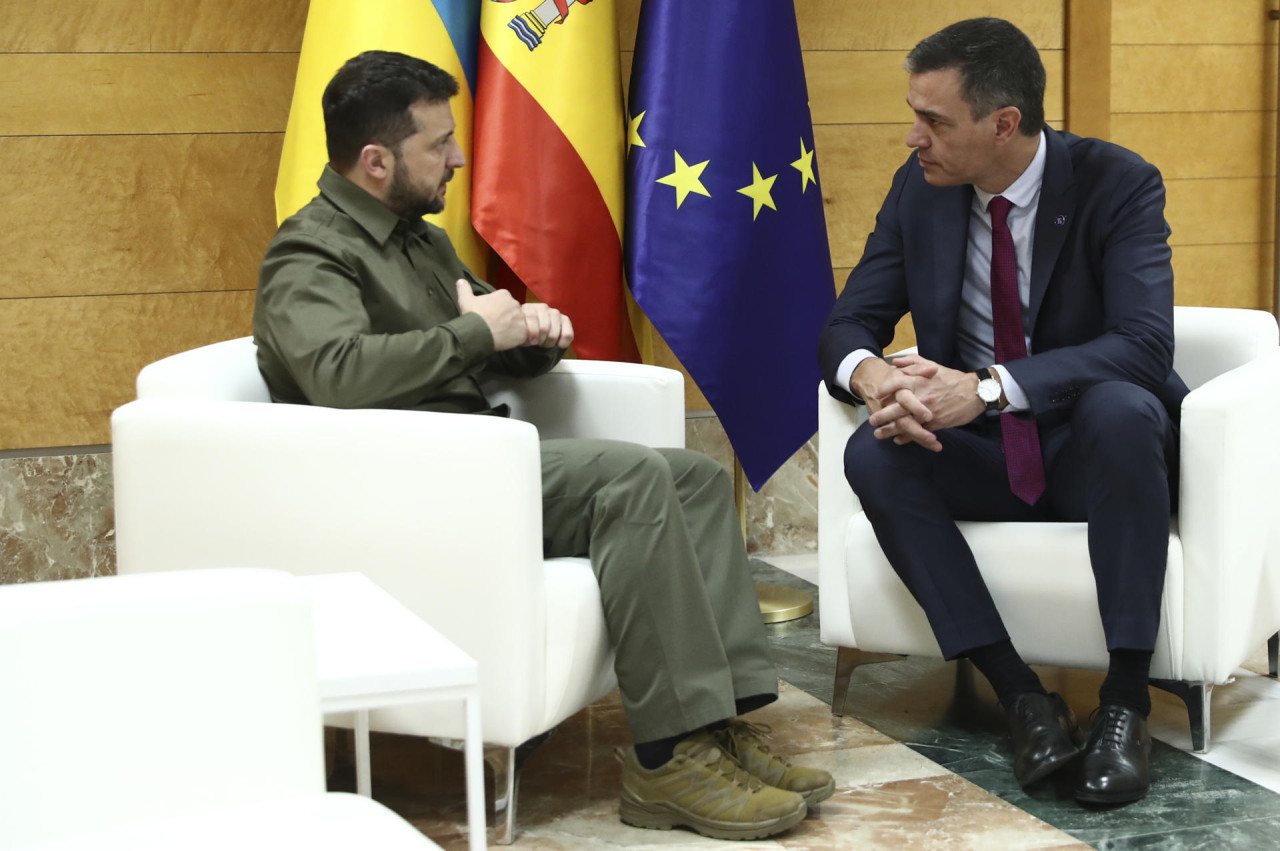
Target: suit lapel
pixel 950 227
pixel 1053 218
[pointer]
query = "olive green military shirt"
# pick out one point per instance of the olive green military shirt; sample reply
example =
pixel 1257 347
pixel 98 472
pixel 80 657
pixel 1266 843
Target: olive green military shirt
pixel 357 308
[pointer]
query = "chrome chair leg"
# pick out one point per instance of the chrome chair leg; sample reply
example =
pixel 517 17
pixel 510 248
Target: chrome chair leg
pixel 848 658
pixel 505 783
pixel 1196 697
pixel 506 764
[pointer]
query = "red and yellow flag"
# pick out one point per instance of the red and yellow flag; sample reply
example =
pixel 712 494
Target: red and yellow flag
pixel 549 156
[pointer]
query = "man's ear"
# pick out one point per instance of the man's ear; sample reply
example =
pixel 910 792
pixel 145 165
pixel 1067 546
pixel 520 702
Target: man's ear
pixel 376 161
pixel 1007 121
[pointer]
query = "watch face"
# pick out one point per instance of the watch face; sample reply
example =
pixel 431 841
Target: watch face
pixel 989 390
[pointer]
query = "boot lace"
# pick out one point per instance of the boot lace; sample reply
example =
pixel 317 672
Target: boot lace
pixel 721 763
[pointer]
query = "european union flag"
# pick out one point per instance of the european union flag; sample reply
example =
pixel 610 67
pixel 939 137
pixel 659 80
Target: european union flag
pixel 726 243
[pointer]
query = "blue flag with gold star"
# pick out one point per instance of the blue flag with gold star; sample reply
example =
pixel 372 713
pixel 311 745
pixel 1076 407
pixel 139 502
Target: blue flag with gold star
pixel 726 244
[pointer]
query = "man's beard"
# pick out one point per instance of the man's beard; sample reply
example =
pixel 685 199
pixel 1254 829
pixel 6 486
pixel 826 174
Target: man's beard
pixel 407 201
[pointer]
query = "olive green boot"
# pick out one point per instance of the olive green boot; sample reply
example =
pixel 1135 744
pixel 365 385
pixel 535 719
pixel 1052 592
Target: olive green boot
pixel 703 789
pixel 745 742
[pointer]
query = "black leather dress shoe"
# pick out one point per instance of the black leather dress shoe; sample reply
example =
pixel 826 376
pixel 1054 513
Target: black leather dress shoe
pixel 1045 736
pixel 1116 766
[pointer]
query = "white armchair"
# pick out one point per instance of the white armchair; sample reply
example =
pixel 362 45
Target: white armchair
pixel 1222 590
pixel 170 711
pixel 441 510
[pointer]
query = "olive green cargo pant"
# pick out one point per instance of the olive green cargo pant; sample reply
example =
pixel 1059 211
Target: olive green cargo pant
pixel 664 540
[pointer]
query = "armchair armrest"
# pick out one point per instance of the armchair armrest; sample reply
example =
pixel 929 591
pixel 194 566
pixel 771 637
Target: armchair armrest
pixel 1227 520
pixel 226 370
pixel 435 508
pixel 600 399
pixel 837 505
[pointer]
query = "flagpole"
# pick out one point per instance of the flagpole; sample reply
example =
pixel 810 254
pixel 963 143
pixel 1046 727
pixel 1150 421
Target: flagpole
pixel 778 603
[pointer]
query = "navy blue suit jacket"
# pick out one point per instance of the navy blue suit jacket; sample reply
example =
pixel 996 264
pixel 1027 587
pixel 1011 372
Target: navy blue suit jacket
pixel 1101 306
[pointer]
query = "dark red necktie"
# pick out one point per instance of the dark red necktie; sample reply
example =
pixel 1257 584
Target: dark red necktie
pixel 1018 436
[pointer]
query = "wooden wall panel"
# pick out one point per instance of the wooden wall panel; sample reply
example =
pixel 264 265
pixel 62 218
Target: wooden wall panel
pixel 68 362
pixel 870 87
pixel 60 94
pixel 139 142
pixel 1192 78
pixel 1193 91
pixel 628 19
pixel 1088 68
pixel 855 166
pixel 143 26
pixel 895 25
pixel 1201 144
pixel 1220 211
pixel 898 25
pixel 1232 275
pixel 1192 21
pixel 96 215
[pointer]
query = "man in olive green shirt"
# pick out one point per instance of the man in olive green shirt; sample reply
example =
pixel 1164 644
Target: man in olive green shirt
pixel 363 304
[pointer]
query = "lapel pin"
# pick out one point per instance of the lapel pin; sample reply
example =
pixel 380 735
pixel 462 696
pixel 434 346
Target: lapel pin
pixel 1059 220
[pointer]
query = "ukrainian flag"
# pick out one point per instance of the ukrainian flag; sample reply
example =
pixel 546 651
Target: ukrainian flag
pixel 443 32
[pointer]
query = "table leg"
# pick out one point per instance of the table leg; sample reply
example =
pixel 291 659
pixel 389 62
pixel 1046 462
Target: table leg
pixel 473 743
pixel 363 783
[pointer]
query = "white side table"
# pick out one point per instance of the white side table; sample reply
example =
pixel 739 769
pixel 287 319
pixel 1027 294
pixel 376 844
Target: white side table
pixel 372 652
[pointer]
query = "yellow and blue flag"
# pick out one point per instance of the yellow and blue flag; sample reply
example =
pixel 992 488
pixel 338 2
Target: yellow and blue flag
pixel 443 32
pixel 726 241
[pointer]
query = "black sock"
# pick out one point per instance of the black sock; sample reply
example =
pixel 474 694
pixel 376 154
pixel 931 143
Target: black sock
pixel 1126 682
pixel 743 705
pixel 1005 670
pixel 658 753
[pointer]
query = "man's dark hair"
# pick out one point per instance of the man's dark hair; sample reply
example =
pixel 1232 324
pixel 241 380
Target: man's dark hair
pixel 369 101
pixel 998 65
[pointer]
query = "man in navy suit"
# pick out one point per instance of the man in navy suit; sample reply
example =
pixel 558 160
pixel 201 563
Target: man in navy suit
pixel 1035 266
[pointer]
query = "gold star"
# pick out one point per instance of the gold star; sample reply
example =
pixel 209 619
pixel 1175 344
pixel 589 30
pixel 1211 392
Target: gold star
pixel 760 191
pixel 804 165
pixel 633 133
pixel 686 179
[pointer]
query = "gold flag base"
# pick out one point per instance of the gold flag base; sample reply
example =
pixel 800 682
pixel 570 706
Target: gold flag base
pixel 778 603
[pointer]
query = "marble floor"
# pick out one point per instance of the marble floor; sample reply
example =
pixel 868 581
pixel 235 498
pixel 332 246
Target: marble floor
pixel 921 761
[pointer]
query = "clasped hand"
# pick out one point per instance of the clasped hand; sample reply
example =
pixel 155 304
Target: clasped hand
pixel 914 397
pixel 514 324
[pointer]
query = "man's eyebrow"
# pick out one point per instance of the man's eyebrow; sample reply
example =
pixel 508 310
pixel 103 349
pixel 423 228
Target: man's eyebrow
pixel 926 113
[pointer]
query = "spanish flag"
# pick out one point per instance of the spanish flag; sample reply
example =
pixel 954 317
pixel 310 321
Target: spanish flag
pixel 443 32
pixel 548 171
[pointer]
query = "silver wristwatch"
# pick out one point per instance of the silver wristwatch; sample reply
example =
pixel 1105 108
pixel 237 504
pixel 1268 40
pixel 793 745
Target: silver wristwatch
pixel 988 389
